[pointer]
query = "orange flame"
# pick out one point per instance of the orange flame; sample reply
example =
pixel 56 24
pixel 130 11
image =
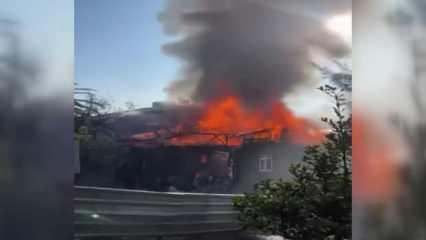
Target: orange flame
pixel 228 122
pixel 228 115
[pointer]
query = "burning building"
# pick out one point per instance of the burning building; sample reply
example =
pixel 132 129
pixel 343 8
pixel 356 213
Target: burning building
pixel 209 150
pixel 240 58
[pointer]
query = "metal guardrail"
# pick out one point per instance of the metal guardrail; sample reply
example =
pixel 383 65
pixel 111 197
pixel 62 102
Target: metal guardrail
pixel 106 212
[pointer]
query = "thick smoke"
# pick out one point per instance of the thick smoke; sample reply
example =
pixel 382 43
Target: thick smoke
pixel 256 50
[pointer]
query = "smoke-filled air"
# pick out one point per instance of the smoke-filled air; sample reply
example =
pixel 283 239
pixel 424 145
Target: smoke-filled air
pixel 253 52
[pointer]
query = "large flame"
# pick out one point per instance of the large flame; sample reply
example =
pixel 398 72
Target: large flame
pixel 228 115
pixel 228 122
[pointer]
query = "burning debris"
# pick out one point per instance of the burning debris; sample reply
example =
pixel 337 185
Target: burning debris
pixel 228 123
pixel 168 138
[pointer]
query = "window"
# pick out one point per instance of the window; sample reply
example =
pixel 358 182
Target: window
pixel 265 163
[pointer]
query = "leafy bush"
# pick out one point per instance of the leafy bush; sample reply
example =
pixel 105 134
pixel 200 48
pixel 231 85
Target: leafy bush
pixel 316 203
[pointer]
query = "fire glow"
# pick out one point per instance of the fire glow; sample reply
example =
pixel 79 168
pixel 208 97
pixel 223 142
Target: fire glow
pixel 239 60
pixel 228 122
pixel 230 116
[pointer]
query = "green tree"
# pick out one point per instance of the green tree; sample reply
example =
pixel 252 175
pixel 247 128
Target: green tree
pixel 316 203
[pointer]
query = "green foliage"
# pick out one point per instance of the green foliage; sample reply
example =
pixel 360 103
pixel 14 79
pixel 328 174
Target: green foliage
pixel 316 203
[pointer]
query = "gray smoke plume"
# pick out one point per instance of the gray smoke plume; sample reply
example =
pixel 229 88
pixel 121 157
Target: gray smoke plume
pixel 256 50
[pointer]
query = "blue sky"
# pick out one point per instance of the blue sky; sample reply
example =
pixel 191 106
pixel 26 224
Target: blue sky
pixel 118 50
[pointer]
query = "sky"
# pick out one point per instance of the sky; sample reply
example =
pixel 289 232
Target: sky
pixel 109 45
pixel 118 51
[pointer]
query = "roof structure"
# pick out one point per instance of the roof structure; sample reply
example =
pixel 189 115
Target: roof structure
pixel 168 137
